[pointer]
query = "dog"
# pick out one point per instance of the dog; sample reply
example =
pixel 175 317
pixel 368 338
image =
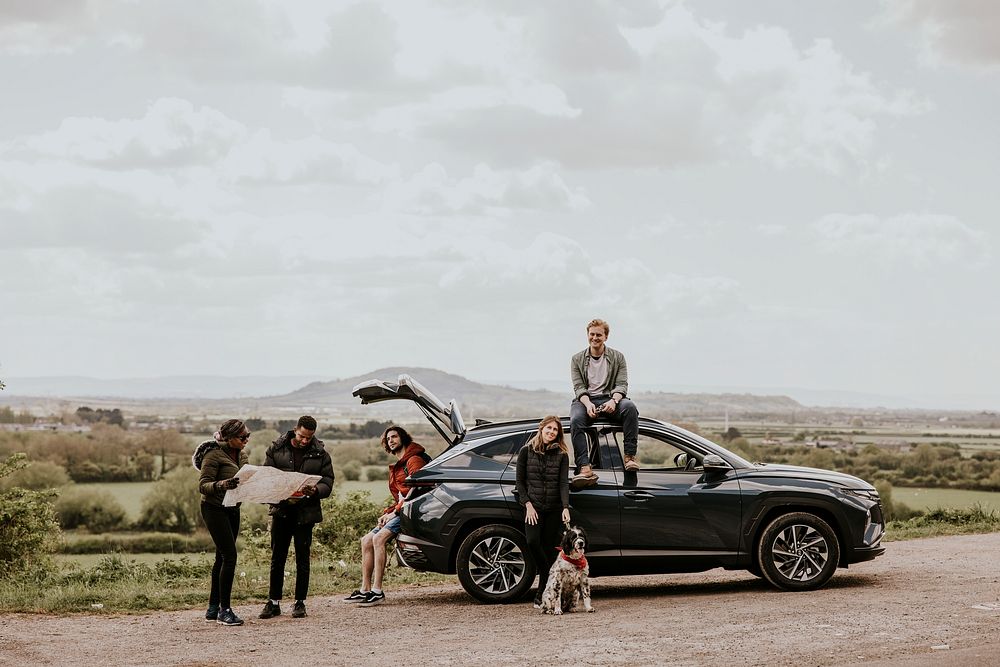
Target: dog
pixel 569 577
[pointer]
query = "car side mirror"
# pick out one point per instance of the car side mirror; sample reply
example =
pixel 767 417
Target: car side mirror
pixel 715 463
pixel 681 460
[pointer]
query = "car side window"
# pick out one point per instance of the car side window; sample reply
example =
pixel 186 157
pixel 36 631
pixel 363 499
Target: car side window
pixel 659 453
pixel 494 455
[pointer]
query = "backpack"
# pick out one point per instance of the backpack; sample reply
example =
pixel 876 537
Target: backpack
pixel 423 455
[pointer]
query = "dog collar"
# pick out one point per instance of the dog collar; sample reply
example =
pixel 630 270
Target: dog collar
pixel 579 563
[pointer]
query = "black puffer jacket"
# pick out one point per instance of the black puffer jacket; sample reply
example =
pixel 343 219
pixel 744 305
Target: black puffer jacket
pixel 316 461
pixel 543 478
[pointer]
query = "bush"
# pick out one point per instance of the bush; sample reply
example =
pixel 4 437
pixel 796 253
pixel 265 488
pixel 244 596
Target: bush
pixel 97 510
pixel 28 528
pixel 376 473
pixel 351 470
pixel 173 504
pixel 37 475
pixel 345 520
pixel 140 543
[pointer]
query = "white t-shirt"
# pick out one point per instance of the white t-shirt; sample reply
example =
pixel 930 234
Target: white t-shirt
pixel 597 375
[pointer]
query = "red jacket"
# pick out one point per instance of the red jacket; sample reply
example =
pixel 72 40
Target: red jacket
pixel 400 470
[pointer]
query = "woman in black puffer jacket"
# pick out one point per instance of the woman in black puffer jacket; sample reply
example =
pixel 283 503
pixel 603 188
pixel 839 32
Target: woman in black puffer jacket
pixel 218 460
pixel 543 489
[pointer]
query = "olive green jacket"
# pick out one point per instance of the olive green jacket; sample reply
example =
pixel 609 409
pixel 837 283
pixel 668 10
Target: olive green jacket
pixel 617 381
pixel 216 466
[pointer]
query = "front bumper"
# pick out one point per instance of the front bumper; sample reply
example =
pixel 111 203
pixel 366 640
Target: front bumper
pixel 861 554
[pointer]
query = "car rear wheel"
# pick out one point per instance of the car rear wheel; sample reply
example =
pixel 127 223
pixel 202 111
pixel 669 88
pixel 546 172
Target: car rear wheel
pixel 493 565
pixel 798 552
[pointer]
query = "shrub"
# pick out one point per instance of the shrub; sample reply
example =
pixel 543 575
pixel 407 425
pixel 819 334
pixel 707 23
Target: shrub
pixel 37 475
pixel 138 543
pixel 97 510
pixel 173 504
pixel 28 528
pixel 351 470
pixel 376 473
pixel 345 520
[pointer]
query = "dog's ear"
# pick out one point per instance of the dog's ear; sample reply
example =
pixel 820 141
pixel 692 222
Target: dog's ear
pixel 567 540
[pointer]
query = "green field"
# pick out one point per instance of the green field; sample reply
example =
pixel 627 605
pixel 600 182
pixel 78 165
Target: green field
pixel 923 499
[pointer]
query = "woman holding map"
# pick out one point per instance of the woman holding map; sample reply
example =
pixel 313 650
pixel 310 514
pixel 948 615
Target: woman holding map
pixel 218 460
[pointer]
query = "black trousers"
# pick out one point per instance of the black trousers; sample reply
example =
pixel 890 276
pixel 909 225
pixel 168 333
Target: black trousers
pixel 223 525
pixel 543 538
pixel 283 531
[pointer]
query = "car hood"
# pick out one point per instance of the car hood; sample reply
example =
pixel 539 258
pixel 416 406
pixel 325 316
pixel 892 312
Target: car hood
pixel 801 472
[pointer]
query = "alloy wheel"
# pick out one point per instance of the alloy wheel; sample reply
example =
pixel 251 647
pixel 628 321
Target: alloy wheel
pixel 800 552
pixel 496 565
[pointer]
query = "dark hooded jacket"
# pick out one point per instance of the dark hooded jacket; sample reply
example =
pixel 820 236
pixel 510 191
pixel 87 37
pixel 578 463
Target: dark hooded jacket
pixel 215 464
pixel 315 461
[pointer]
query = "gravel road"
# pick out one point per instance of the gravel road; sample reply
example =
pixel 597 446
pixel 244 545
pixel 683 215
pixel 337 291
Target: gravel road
pixel 925 602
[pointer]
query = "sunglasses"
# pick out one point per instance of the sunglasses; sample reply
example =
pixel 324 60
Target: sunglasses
pixel 244 438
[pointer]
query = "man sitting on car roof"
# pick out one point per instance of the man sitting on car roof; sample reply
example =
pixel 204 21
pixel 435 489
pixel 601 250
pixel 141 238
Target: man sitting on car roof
pixel 600 389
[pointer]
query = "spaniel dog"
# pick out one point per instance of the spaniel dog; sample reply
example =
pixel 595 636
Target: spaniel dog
pixel 568 579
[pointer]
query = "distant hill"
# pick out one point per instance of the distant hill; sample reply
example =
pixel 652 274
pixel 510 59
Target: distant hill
pixel 495 401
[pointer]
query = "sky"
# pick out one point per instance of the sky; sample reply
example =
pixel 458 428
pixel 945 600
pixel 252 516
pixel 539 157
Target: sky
pixel 764 194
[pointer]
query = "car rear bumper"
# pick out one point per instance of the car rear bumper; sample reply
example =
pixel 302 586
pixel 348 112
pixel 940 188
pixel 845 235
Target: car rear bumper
pixel 417 554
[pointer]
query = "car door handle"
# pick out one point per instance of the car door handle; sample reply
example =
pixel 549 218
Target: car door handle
pixel 638 496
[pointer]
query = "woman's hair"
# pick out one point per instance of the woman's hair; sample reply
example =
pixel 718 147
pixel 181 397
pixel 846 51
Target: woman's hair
pixel 538 445
pixel 232 429
pixel 404 437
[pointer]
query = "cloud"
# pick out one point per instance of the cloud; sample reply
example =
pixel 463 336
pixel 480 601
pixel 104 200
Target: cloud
pixel 918 239
pixel 431 191
pixel 961 31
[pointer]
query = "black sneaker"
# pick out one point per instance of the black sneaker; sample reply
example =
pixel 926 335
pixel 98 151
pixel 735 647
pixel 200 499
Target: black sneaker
pixel 229 617
pixel 373 599
pixel 357 596
pixel 212 613
pixel 299 610
pixel 271 609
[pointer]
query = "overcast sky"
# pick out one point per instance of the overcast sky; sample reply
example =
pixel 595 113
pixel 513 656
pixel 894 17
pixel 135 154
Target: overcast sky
pixel 752 194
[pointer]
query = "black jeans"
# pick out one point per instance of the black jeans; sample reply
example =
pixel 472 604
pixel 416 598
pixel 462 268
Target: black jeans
pixel 223 525
pixel 543 538
pixel 283 531
pixel 627 414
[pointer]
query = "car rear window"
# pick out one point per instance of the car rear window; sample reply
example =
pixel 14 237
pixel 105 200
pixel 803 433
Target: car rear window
pixel 492 455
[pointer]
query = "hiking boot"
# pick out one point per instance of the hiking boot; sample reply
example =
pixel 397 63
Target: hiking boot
pixel 213 612
pixel 373 599
pixel 299 610
pixel 228 617
pixel 585 476
pixel 357 596
pixel 631 465
pixel 271 609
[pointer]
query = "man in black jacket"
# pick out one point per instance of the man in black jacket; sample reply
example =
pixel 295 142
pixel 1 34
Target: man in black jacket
pixel 293 519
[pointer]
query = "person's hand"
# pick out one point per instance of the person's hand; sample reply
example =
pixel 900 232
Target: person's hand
pixel 610 406
pixel 591 410
pixel 565 516
pixel 230 483
pixel 530 515
pixel 308 490
pixel 384 519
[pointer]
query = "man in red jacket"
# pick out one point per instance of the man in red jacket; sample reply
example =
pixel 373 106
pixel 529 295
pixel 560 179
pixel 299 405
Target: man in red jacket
pixel 410 457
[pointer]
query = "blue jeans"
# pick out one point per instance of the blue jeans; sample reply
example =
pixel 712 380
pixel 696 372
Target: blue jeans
pixel 627 414
pixel 392 525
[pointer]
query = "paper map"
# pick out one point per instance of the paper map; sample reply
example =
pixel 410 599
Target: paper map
pixel 266 484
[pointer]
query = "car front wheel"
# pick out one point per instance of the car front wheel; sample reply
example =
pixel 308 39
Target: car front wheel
pixel 493 564
pixel 798 552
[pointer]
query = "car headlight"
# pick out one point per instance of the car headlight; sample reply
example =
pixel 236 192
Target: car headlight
pixel 870 494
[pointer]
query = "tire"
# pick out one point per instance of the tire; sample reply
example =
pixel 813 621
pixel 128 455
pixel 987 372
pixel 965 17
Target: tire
pixel 798 552
pixel 494 566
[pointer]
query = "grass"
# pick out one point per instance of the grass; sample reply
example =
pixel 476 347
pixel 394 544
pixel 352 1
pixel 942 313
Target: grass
pixel 926 499
pixel 943 521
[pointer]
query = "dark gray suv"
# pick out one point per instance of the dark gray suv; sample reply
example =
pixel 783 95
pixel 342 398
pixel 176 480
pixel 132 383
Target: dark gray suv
pixel 703 507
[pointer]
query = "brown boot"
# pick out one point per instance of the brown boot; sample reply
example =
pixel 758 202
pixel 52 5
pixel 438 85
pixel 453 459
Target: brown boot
pixel 586 477
pixel 631 465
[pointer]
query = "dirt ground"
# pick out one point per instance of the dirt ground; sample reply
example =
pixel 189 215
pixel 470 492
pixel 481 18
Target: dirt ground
pixel 925 602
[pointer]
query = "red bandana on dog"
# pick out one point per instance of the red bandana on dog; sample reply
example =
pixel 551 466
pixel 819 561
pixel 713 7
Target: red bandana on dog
pixel 579 563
